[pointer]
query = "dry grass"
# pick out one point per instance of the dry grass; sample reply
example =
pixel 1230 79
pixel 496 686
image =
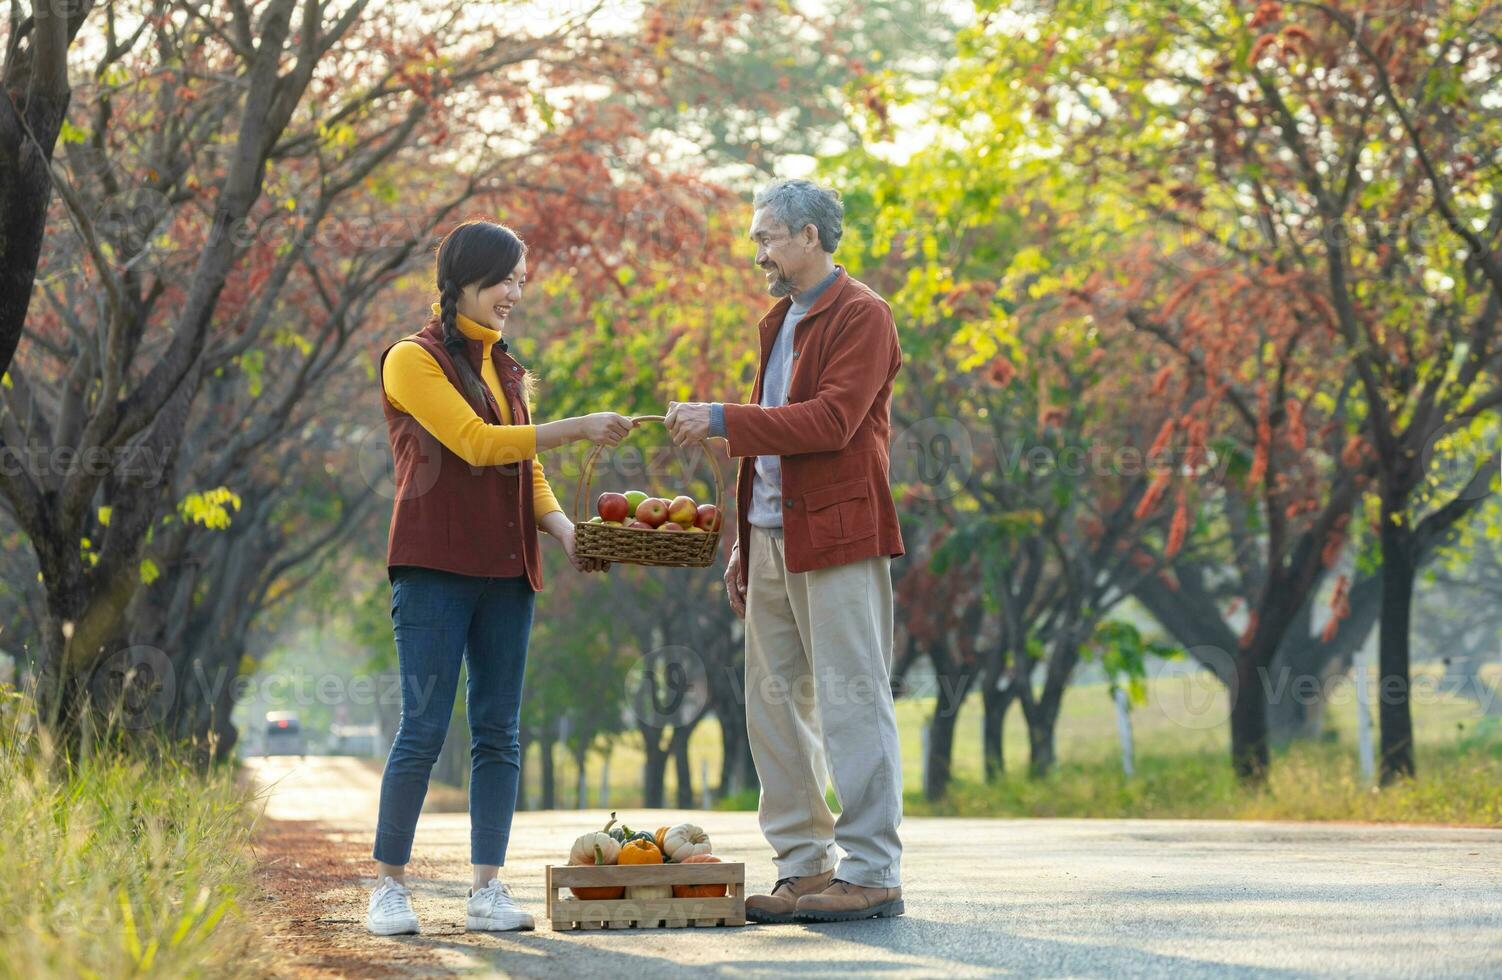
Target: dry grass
pixel 121 867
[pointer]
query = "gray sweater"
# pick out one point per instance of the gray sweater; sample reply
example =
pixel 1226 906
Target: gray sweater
pixel 766 484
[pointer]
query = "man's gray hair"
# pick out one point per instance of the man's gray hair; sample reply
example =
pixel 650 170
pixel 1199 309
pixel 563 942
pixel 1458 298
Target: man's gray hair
pixel 799 203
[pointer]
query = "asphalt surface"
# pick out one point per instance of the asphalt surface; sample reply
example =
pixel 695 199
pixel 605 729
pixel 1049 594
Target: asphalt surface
pixel 1046 898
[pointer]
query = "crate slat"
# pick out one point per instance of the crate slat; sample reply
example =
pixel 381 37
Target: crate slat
pixel 589 876
pixel 566 912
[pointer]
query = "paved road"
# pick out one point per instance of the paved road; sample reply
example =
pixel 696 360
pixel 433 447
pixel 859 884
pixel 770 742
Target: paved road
pixel 1107 898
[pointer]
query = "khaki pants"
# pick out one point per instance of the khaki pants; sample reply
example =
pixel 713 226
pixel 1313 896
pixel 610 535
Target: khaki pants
pixel 818 690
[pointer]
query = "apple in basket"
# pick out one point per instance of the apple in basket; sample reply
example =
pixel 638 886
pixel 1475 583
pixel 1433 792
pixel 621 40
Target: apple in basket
pixel 634 499
pixel 707 518
pixel 682 510
pixel 671 526
pixel 640 525
pixel 652 511
pixel 612 506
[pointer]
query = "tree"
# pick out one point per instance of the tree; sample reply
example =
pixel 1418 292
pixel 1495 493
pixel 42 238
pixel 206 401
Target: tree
pixel 321 197
pixel 34 76
pixel 1403 92
pixel 1172 135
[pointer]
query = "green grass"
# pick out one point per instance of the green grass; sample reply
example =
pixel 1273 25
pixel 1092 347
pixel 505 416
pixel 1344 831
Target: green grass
pixel 121 868
pixel 1182 748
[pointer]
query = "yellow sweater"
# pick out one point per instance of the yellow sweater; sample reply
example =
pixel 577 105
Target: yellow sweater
pixel 415 384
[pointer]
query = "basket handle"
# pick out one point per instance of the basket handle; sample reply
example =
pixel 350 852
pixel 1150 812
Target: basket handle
pixel 589 470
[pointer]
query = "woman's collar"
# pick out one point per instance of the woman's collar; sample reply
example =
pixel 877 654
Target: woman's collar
pixel 475 330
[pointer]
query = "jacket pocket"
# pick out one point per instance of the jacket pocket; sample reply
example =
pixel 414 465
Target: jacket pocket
pixel 839 513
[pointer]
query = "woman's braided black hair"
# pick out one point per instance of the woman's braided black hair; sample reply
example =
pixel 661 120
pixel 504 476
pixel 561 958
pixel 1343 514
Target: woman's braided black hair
pixel 474 252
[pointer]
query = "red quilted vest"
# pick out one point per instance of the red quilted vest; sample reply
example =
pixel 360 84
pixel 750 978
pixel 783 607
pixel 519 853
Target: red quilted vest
pixel 474 520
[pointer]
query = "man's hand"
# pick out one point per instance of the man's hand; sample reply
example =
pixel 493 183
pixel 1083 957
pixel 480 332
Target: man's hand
pixel 688 422
pixel 733 584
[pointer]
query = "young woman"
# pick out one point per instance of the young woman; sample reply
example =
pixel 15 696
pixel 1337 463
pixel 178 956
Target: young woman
pixel 463 558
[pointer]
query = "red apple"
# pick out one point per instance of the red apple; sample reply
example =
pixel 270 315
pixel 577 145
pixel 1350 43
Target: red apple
pixel 671 526
pixel 612 506
pixel 652 511
pixel 708 517
pixel 682 510
pixel 640 525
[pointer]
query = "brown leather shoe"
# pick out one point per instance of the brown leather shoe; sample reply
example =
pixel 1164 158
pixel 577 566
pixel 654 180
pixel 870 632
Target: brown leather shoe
pixel 842 901
pixel 783 902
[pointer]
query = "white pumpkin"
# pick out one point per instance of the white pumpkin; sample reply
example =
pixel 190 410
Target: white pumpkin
pixel 649 891
pixel 684 841
pixel 594 848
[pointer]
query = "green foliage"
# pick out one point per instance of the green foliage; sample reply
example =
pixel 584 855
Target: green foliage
pixel 210 508
pixel 1122 652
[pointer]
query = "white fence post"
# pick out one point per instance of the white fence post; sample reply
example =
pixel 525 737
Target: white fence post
pixel 1364 713
pixel 1124 730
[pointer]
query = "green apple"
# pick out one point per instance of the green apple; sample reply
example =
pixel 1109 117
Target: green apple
pixel 633 500
pixel 597 519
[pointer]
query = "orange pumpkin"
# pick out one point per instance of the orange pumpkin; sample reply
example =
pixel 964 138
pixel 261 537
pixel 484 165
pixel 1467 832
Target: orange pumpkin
pixel 699 891
pixel 639 851
pixel 661 833
pixel 601 892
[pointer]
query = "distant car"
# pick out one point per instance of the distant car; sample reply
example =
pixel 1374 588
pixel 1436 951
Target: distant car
pixel 359 740
pixel 284 734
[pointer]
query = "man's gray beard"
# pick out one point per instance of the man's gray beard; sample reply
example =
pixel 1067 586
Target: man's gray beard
pixel 782 286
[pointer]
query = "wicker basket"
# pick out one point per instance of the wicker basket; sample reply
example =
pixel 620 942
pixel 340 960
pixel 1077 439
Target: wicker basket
pixel 636 546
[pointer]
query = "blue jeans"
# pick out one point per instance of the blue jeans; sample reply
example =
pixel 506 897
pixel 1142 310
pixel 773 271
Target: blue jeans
pixel 440 618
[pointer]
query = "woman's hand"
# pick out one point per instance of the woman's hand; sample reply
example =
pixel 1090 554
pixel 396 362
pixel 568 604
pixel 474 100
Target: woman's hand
pixel 605 428
pixel 559 526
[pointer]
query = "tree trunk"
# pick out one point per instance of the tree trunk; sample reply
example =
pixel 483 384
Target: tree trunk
pixel 581 793
pixel 732 741
pixel 1392 645
pixel 1042 715
pixel 679 749
pixel 993 725
pixel 1249 747
pixel 654 769
pixel 953 684
pixel 1041 753
pixel 1305 664
pixel 549 786
pixel 27 143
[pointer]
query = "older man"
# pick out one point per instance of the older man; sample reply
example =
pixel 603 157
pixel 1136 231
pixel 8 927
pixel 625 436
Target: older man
pixel 811 568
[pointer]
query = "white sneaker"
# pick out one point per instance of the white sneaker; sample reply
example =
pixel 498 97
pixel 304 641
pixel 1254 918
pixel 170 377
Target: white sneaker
pixel 493 909
pixel 391 909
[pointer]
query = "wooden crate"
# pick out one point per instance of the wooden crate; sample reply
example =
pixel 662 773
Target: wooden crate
pixel 568 912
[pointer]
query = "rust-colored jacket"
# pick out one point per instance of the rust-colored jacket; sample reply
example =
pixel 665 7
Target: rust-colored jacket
pixel 832 434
